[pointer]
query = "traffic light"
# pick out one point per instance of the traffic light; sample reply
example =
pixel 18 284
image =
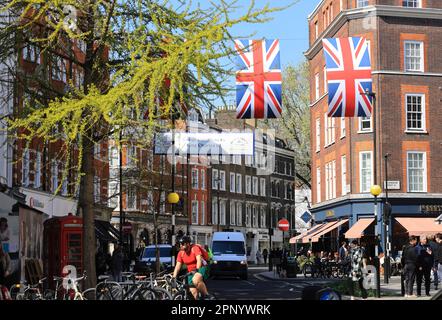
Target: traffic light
pixel 386 214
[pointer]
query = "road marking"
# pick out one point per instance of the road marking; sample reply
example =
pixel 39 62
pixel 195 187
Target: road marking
pixel 249 282
pixel 260 277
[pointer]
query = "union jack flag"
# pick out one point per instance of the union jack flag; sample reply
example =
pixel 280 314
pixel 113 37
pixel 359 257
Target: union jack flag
pixel 258 79
pixel 348 76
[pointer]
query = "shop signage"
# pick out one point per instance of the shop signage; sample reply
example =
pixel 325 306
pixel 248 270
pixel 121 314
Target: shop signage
pixel 431 208
pixel 35 203
pixel 330 213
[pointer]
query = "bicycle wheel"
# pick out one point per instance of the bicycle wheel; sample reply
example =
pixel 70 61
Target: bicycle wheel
pixel 109 291
pixel 144 294
pixel 89 294
pixel 180 295
pixel 161 294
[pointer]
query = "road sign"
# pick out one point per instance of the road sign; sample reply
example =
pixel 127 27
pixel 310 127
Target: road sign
pixel 306 217
pixel 283 225
pixel 127 227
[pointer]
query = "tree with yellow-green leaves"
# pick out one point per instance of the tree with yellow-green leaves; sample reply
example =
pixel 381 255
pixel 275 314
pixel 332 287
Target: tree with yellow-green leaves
pixel 141 59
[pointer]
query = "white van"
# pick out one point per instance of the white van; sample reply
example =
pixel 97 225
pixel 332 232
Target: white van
pixel 229 255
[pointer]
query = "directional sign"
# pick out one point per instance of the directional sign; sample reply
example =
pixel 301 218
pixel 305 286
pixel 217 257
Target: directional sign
pixel 306 217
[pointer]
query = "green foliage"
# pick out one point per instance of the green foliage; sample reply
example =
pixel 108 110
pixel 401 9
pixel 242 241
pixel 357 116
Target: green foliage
pixel 140 55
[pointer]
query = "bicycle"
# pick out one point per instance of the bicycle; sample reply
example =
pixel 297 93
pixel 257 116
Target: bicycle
pixel 183 289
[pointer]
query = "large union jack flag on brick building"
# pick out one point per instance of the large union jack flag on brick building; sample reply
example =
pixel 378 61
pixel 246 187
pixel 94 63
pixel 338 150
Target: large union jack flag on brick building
pixel 258 79
pixel 348 76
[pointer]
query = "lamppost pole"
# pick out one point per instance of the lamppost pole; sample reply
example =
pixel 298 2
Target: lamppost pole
pixel 386 220
pixel 173 187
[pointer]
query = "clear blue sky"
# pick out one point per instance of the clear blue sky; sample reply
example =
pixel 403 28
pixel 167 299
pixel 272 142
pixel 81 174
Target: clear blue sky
pixel 290 26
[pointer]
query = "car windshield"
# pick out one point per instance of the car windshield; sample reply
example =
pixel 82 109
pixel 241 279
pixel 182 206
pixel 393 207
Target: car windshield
pixel 228 247
pixel 150 252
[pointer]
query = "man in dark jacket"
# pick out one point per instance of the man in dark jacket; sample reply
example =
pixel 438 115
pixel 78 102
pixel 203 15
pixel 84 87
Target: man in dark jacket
pixel 438 257
pixel 434 247
pixel 409 260
pixel 425 262
pixel 117 263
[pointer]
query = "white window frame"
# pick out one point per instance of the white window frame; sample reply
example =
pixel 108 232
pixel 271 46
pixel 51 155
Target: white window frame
pixel 248 215
pixel 248 185
pixel 361 189
pixel 330 130
pixel 54 175
pixel 422 56
pixel 222 209
pixel 423 129
pixel 263 217
pixel 318 134
pixel 361 3
pixel 343 129
pixel 232 182
pixel 255 217
pixel 195 179
pixel 406 3
pixel 238 183
pixel 232 213
pixel 195 213
pixel 203 179
pixel 361 130
pixel 255 186
pixel 37 179
pixel 215 180
pixel 344 175
pixel 318 184
pixel 203 212
pixel 262 182
pixel 114 198
pixel 97 151
pixel 25 168
pixel 316 30
pixel 425 172
pixel 239 214
pixel 222 175
pixel 214 211
pixel 131 191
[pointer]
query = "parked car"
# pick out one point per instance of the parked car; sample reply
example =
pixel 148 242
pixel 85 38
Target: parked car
pixel 147 260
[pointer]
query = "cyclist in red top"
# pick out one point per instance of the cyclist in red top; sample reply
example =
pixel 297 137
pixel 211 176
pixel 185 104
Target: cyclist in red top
pixel 191 256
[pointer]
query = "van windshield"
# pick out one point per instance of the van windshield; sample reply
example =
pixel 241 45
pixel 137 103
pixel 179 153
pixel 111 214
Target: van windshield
pixel 150 252
pixel 228 247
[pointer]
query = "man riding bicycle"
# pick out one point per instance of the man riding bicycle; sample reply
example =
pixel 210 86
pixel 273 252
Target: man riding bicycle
pixel 191 255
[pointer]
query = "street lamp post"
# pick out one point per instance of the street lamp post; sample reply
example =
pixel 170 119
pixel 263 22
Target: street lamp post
pixel 376 190
pixel 386 223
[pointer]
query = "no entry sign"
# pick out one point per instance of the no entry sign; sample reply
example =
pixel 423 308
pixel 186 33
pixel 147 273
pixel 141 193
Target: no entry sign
pixel 283 225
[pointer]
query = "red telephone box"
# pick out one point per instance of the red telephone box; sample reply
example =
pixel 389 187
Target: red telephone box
pixel 62 246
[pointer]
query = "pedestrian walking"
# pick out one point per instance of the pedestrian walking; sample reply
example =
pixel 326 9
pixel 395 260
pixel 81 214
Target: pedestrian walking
pixel 117 261
pixel 358 264
pixel 409 261
pixel 425 262
pixel 265 254
pixel 434 247
pixel 258 257
pixel 438 258
pixel 343 251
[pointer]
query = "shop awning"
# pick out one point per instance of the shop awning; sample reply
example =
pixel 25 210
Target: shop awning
pixel 302 235
pixel 356 231
pixel 317 236
pixel 104 231
pixel 419 226
pixel 308 237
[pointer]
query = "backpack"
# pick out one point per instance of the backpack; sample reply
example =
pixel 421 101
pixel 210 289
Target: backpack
pixel 204 253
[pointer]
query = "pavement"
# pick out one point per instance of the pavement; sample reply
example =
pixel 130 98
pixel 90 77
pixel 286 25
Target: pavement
pixel 390 291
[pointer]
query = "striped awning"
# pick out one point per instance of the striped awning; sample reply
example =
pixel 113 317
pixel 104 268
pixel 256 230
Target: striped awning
pixel 317 236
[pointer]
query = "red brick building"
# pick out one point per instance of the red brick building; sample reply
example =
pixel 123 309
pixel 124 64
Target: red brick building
pixel 404 38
